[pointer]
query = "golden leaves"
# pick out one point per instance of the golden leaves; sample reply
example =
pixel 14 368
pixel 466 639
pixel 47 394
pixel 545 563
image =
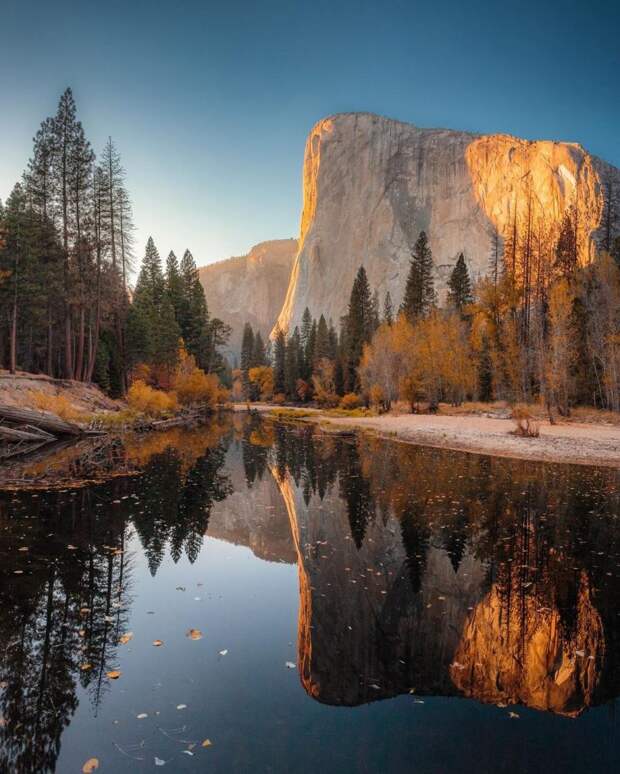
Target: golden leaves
pixel 114 674
pixel 194 634
pixel 125 638
pixel 92 764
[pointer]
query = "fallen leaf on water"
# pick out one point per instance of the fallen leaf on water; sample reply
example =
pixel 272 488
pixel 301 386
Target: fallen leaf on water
pixel 158 643
pixel 223 652
pixel 194 634
pixel 124 639
pixel 85 667
pixel 290 665
pixel 18 572
pixel 181 706
pixel 207 743
pixel 142 715
pixel 159 762
pixel 72 548
pixel 513 715
pixel 187 752
pixel 91 765
pixel 23 548
pixel 114 674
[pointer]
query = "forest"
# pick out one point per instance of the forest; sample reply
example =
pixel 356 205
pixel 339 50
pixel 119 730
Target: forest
pixel 67 254
pixel 539 327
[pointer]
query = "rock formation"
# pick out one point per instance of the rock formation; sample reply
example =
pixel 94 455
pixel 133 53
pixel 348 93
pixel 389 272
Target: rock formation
pixel 250 288
pixel 370 184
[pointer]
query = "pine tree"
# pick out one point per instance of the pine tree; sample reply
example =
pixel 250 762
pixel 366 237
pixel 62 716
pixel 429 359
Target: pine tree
pixel 306 330
pixel 247 354
pixel 259 356
pixel 359 328
pixel 419 289
pixel 279 365
pixel 322 347
pixel 194 320
pixel 459 286
pixel 293 358
pixel 388 309
pixel 174 285
pixel 566 248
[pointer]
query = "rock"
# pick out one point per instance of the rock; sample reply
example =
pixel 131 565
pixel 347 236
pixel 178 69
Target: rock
pixel 250 288
pixel 370 184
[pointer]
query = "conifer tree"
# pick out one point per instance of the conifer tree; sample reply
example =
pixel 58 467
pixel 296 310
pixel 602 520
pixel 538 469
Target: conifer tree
pixel 388 309
pixel 194 313
pixel 279 365
pixel 247 354
pixel 259 356
pixel 306 330
pixel 322 346
pixel 359 328
pixel 293 359
pixel 174 285
pixel 459 286
pixel 419 290
pixel 566 248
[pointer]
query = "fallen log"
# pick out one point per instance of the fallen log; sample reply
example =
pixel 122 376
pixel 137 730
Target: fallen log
pixel 11 434
pixel 48 422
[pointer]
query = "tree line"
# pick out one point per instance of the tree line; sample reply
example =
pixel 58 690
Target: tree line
pixel 542 325
pixel 66 257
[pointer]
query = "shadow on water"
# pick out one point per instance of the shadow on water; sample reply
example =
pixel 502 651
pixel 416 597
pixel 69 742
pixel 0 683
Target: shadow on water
pixel 421 571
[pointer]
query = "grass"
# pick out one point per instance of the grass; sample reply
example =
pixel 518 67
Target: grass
pixel 290 413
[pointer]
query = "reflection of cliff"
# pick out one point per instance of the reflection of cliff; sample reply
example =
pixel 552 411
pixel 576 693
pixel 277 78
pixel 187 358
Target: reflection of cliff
pixel 253 516
pixel 517 650
pixel 364 633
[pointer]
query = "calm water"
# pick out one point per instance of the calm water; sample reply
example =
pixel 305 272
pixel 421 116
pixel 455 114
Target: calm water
pixel 361 606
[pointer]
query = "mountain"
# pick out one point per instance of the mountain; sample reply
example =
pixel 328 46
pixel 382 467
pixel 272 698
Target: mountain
pixel 250 288
pixel 370 184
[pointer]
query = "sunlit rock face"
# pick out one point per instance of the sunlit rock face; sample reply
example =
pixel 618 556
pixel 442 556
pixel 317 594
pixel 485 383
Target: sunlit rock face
pixel 370 184
pixel 515 649
pixel 250 288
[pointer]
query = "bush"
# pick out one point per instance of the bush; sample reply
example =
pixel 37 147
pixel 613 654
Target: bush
pixel 197 387
pixel 350 401
pixel 59 405
pixel 526 425
pixel 149 401
pixel 279 398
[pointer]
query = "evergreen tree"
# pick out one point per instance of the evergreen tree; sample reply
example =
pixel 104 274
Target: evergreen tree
pixel 151 281
pixel 459 286
pixel 306 330
pixel 388 309
pixel 174 285
pixel 194 313
pixel 333 341
pixel 310 350
pixel 279 366
pixel 259 356
pixel 322 348
pixel 247 355
pixel 419 289
pixel 566 249
pixel 359 328
pixel 294 357
pixel 375 311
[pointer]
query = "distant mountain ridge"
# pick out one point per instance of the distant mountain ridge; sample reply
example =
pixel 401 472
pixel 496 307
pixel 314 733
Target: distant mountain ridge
pixel 250 288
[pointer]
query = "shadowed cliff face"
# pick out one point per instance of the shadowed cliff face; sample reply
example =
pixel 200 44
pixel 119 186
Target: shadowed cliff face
pixel 444 574
pixel 370 184
pixel 250 288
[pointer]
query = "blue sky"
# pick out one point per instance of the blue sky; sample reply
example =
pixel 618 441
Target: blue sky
pixel 210 103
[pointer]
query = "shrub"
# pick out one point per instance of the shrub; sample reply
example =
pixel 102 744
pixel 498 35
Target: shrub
pixel 350 401
pixel 150 401
pixel 526 425
pixel 59 405
pixel 279 398
pixel 196 387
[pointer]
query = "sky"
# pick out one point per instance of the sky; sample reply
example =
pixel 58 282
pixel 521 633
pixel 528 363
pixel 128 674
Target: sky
pixel 209 103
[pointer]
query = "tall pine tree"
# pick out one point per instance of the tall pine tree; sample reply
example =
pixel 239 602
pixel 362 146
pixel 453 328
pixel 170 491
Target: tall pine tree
pixel 419 290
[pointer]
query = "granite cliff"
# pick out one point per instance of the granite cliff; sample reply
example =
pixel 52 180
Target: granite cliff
pixel 249 288
pixel 370 184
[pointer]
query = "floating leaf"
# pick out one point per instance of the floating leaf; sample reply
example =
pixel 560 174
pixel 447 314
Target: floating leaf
pixel 223 652
pixel 181 706
pixel 142 715
pixel 92 764
pixel 124 638
pixel 158 643
pixel 159 762
pixel 207 743
pixel 187 752
pixel 290 665
pixel 114 674
pixel 194 634
pixel 85 667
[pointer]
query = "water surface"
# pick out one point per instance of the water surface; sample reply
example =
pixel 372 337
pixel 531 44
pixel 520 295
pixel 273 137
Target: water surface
pixel 362 606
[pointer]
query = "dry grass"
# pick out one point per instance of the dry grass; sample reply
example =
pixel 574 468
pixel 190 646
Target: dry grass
pixel 290 413
pixel 59 405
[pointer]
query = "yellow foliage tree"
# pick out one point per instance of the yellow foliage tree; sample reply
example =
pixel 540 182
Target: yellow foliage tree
pixel 262 377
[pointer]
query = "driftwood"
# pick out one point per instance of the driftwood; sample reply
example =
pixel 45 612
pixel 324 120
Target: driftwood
pixel 10 434
pixel 47 422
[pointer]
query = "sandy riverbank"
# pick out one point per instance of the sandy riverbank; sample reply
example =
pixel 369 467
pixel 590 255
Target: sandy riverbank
pixel 571 442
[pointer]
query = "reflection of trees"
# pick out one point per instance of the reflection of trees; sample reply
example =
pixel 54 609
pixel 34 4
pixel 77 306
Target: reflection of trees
pixel 541 540
pixel 61 620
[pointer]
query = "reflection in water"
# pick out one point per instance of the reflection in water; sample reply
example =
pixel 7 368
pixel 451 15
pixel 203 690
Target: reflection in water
pixel 420 570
